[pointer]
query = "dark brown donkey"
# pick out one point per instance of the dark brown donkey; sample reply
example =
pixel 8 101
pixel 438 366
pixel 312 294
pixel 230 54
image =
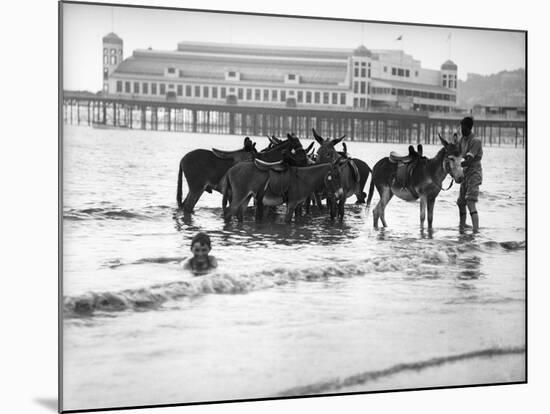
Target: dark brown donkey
pixel 273 184
pixel 414 177
pixel 358 172
pixel 204 169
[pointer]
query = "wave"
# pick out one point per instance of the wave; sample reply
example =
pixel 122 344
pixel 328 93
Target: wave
pixel 429 263
pixel 507 245
pixel 154 296
pixel 369 376
pixel 220 283
pixel 153 260
pixel 114 213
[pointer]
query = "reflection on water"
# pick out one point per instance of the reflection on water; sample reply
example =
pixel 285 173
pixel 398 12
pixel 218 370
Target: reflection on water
pixel 318 299
pixel 316 228
pixel 471 268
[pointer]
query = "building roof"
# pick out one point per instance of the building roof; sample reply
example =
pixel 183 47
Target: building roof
pixel 389 83
pixel 264 50
pixel 362 51
pixel 112 38
pixel 265 69
pixel 449 65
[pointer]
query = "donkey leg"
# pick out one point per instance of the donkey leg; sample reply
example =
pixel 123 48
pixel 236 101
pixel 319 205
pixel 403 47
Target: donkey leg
pixel 375 216
pixel 431 203
pixel 229 212
pixel 191 199
pixel 259 209
pixel 331 205
pixel 318 201
pixel 422 211
pixel 290 207
pixel 385 198
pixel 298 210
pixel 341 206
pixel 232 210
pixel 237 200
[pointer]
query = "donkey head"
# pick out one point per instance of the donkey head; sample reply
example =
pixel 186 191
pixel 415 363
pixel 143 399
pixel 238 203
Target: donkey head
pixel 310 153
pixel 293 141
pixel 452 158
pixel 326 152
pixel 334 180
pixel 296 157
pixel 249 145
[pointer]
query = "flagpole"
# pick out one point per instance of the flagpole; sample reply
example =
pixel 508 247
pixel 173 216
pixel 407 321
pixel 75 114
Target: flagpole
pixel 400 39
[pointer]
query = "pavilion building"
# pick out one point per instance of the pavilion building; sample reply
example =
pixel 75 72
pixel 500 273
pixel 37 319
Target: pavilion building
pixel 266 76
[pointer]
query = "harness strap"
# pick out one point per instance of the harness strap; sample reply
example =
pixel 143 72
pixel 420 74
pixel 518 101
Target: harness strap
pixel 445 189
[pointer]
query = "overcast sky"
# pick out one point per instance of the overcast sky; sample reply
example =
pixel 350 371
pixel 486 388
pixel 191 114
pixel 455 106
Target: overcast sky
pixel 474 51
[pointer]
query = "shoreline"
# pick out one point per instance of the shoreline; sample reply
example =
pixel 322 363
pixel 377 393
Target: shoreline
pixel 496 369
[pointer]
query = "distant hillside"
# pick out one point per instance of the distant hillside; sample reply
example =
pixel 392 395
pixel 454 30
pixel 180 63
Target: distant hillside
pixel 506 88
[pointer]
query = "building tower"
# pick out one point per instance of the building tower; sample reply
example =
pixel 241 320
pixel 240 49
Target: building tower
pixel 112 56
pixel 449 75
pixel 360 64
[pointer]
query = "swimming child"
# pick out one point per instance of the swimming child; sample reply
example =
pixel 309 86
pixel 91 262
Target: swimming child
pixel 201 262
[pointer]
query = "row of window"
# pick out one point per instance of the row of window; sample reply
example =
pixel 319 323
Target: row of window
pixel 400 72
pixel 112 59
pixel 233 74
pixel 360 87
pixel 450 80
pixel 362 70
pixel 359 103
pixel 113 51
pixel 450 83
pixel 221 92
pixel 413 93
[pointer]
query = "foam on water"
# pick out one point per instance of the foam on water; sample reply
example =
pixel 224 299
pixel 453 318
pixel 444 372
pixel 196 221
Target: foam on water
pixel 427 263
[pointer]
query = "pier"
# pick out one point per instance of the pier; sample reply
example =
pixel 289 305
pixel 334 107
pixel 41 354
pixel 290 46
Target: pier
pixel 415 127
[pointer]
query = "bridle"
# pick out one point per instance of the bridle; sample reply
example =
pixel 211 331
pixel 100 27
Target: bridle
pixel 447 171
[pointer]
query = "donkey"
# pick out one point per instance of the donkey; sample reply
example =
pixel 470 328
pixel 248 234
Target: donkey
pixel 414 177
pixel 356 175
pixel 204 169
pixel 273 184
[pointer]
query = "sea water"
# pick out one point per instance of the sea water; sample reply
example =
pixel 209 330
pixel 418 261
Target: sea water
pixel 315 306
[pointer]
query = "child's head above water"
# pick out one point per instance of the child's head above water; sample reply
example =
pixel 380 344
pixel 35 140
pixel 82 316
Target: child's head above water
pixel 201 238
pixel 201 245
pixel 201 262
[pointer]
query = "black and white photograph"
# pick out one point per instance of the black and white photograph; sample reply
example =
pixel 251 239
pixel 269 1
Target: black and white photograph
pixel 262 206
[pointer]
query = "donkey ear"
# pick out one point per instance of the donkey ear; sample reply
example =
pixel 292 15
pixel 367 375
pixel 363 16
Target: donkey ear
pixel 337 140
pixel 310 146
pixel 445 143
pixel 345 147
pixel 317 137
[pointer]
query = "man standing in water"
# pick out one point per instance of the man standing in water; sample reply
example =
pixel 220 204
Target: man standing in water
pixel 471 151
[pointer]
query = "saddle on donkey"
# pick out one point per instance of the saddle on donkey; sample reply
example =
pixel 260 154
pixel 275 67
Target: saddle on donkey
pixel 406 165
pixel 278 182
